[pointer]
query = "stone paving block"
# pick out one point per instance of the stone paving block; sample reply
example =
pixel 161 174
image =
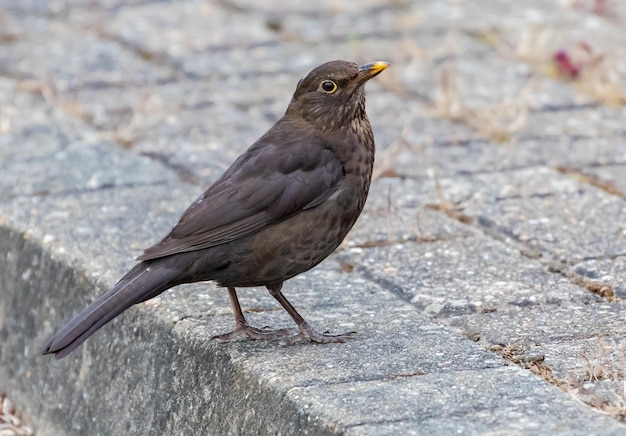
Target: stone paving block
pixel 544 210
pixel 384 346
pixel 579 347
pixel 380 333
pixel 66 58
pixel 202 142
pixel 198 126
pixel 131 218
pixel 567 151
pixel 547 324
pixel 423 157
pixel 410 53
pixel 603 123
pixel 278 47
pixel 186 124
pixel 614 175
pixel 42 152
pixel 319 20
pixel 25 111
pixel 468 275
pixel 395 213
pixel 205 28
pixel 235 96
pixel 202 127
pixel 491 81
pixel 269 29
pixel 606 270
pixel 562 22
pixel 417 145
pixel 71 166
pixel 582 359
pixel 65 8
pixel 223 101
pixel 470 80
pixel 493 402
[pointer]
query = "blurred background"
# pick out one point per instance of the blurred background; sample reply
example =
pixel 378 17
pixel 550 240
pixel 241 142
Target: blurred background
pixel 178 80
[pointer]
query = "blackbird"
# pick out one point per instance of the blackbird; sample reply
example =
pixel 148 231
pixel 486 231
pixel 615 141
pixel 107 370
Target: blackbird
pixel 279 210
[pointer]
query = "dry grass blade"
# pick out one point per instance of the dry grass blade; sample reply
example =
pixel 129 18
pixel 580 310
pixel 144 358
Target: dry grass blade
pixel 602 386
pixel 11 423
pixel 452 209
pixel 606 185
pixel 498 122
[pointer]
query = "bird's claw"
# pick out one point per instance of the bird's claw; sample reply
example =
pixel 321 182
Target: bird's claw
pixel 308 334
pixel 244 330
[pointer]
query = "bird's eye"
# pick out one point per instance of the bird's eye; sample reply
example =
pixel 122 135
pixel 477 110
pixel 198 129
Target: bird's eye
pixel 328 86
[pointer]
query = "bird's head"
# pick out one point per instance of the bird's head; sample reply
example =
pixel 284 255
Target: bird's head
pixel 332 96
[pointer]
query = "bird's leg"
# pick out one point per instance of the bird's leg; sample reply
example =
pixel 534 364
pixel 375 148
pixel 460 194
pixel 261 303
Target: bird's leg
pixel 306 333
pixel 243 329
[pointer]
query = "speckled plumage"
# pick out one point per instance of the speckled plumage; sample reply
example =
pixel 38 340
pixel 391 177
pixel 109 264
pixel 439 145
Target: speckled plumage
pixel 280 209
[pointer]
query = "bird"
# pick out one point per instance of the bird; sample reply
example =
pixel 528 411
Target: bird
pixel 281 208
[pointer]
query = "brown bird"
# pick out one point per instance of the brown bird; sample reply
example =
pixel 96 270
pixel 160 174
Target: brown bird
pixel 279 210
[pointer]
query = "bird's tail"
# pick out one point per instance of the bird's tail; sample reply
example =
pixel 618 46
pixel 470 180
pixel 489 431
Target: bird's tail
pixel 144 281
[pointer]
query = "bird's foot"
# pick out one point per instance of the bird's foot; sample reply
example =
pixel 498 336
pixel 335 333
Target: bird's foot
pixel 308 334
pixel 252 333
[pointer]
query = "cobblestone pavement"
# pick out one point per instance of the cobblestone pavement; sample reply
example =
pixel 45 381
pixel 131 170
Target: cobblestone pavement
pixel 486 278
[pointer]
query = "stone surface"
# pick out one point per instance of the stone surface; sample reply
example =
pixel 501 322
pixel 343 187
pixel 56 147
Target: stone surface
pixel 544 210
pixel 473 402
pixel 469 275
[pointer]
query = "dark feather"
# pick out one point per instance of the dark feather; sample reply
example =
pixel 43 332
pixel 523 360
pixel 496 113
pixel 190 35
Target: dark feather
pixel 139 284
pixel 271 182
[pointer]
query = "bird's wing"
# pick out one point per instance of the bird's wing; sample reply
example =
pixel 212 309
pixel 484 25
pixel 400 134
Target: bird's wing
pixel 266 185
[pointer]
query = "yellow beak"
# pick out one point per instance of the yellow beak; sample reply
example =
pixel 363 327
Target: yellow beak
pixel 370 70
